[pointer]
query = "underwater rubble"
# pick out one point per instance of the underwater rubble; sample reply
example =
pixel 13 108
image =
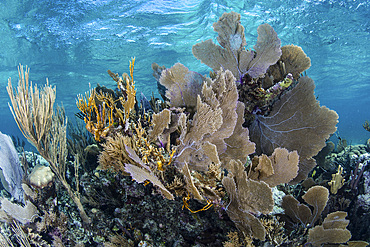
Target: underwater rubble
pixel 241 157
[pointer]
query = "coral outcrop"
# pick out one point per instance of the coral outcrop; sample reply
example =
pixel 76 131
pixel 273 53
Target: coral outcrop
pixel 227 141
pixel 281 109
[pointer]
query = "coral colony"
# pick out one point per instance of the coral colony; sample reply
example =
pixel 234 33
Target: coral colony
pixel 236 158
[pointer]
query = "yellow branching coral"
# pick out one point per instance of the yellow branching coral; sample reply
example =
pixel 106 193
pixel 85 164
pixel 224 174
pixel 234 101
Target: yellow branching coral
pixel 100 109
pixel 135 155
pixel 157 157
pixel 127 86
pixel 129 103
pixel 98 117
pixel 337 181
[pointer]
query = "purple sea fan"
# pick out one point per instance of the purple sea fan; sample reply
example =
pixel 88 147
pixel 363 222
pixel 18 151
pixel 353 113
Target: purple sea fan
pixel 267 49
pixel 232 55
pixel 296 122
pixel 10 168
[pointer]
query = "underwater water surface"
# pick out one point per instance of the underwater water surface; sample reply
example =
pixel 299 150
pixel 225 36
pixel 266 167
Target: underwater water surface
pixel 74 43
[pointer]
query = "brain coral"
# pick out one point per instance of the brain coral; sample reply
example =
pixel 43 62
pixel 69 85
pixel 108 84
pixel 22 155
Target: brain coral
pixel 41 176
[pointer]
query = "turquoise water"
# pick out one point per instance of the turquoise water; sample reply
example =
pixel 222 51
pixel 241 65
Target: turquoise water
pixel 74 43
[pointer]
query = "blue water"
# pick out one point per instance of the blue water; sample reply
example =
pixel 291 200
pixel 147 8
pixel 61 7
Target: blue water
pixel 74 43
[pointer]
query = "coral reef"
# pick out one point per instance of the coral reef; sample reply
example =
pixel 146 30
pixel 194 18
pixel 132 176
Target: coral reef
pixel 364 199
pixel 206 166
